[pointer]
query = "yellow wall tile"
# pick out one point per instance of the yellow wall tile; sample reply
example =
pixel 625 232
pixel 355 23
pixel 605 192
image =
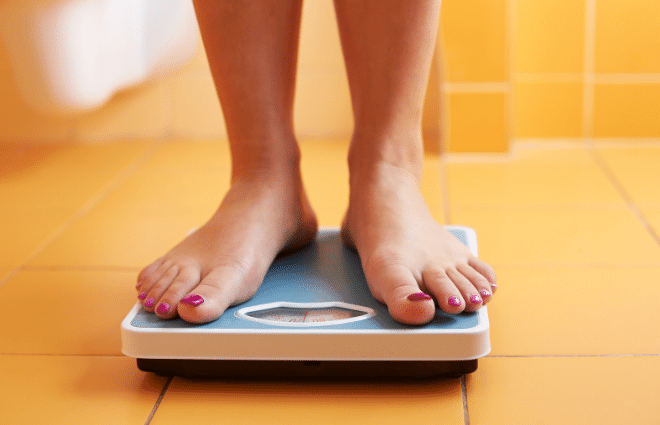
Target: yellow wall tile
pixel 548 110
pixel 549 36
pixel 474 37
pixel 627 110
pixel 627 36
pixel 477 122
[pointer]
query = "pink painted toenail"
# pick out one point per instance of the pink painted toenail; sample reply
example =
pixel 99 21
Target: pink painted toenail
pixel 485 293
pixel 193 300
pixel 163 308
pixel 476 299
pixel 419 296
pixel 455 301
pixel 150 302
pixel 142 295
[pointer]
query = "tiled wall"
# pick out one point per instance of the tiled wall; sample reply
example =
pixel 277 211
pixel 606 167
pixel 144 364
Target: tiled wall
pixel 508 69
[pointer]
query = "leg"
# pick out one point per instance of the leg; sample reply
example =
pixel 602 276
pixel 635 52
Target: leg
pixel 406 255
pixel 252 50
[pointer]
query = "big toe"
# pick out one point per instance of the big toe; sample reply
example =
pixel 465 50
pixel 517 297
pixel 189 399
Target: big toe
pixel 405 301
pixel 217 291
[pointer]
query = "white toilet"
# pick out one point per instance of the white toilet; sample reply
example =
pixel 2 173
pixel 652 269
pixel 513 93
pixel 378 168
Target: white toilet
pixel 73 55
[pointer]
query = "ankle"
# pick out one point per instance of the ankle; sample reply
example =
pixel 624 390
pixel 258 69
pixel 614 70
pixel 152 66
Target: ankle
pixel 369 158
pixel 265 160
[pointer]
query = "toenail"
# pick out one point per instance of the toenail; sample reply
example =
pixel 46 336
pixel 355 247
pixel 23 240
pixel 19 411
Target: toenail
pixel 485 293
pixel 476 299
pixel 150 302
pixel 455 301
pixel 419 296
pixel 142 295
pixel 163 308
pixel 493 285
pixel 193 300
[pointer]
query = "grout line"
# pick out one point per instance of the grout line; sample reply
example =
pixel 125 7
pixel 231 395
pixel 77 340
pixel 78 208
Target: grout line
pixel 121 177
pixel 160 398
pixel 466 413
pixel 618 185
pixel 476 87
pixel 589 68
pixel 627 78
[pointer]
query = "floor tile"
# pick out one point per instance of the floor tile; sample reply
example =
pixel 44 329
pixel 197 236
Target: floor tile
pixel 637 170
pixel 120 239
pixel 559 236
pixel 80 389
pixel 531 177
pixel 23 233
pixel 286 403
pixel 65 312
pixel 594 390
pixel 575 311
pixel 62 176
pixel 44 188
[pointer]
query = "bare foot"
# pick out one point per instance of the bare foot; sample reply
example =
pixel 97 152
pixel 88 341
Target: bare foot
pixel 224 261
pixel 409 260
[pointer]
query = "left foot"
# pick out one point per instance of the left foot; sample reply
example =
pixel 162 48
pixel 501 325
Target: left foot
pixel 409 260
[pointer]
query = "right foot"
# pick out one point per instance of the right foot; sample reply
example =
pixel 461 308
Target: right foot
pixel 224 261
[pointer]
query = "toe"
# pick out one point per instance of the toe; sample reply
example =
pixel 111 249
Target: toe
pixel 449 297
pixel 477 280
pixel 147 272
pixel 470 294
pixel 221 288
pixel 486 271
pixel 400 291
pixel 157 291
pixel 186 280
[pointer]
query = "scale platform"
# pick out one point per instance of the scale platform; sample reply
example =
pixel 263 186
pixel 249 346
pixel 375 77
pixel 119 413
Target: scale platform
pixel 313 317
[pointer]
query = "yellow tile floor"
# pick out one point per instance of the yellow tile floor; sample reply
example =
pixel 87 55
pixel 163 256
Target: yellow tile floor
pixel 572 231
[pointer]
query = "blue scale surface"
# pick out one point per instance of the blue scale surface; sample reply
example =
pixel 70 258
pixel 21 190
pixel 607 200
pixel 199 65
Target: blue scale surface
pixel 324 271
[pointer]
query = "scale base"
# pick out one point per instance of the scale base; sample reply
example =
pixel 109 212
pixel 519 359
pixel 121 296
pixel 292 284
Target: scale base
pixel 304 369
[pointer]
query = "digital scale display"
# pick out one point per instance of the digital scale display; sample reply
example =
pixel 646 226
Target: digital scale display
pixel 308 314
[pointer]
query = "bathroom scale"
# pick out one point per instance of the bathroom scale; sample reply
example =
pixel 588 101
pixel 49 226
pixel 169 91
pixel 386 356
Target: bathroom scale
pixel 313 316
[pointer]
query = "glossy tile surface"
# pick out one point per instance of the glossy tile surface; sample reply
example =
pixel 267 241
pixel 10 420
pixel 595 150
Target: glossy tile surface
pixel 574 390
pixel 285 403
pixel 571 230
pixel 75 389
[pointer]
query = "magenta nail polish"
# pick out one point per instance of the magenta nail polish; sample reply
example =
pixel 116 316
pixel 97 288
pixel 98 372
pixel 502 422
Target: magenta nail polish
pixel 193 299
pixel 476 299
pixel 485 293
pixel 149 302
pixel 163 308
pixel 455 301
pixel 419 296
pixel 142 295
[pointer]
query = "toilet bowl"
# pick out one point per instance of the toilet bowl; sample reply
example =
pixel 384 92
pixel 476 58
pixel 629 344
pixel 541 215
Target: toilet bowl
pixel 73 55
